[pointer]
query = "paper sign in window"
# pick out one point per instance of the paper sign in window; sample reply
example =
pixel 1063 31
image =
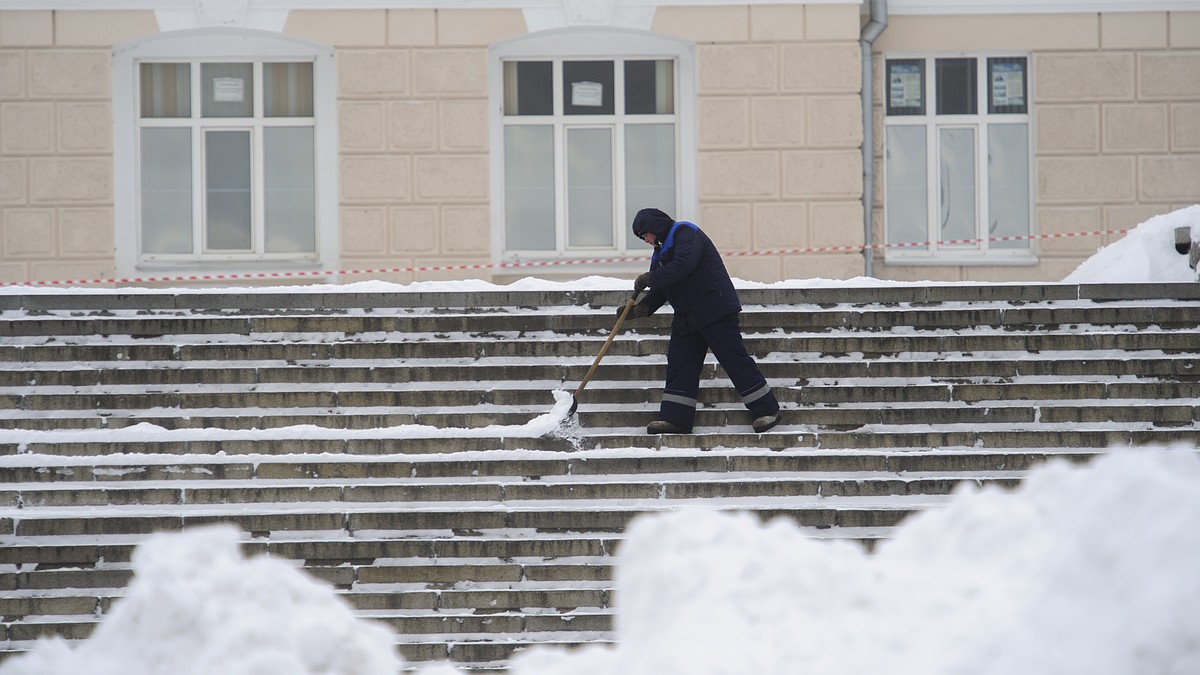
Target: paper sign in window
pixel 1008 84
pixel 905 86
pixel 229 89
pixel 589 94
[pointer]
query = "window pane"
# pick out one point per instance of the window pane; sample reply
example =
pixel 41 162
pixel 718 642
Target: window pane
pixel 166 167
pixel 290 198
pixel 528 88
pixel 1008 184
pixel 589 187
pixel 956 155
pixel 227 203
pixel 529 188
pixel 1007 85
pixel 956 91
pixel 227 89
pixel 907 188
pixel 649 168
pixel 906 87
pixel 166 89
pixel 649 87
pixel 288 89
pixel 588 88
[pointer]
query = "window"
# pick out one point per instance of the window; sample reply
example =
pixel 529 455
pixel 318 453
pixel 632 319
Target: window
pixel 582 140
pixel 223 132
pixel 957 159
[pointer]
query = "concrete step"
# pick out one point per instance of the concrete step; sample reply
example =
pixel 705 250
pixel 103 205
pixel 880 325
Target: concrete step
pixel 306 301
pixel 484 651
pixel 304 347
pixel 351 518
pixel 843 409
pixel 416 605
pixel 513 322
pixel 511 489
pixel 33 377
pixel 1097 435
pixel 483 398
pixel 383 575
pixel 529 466
pixel 321 550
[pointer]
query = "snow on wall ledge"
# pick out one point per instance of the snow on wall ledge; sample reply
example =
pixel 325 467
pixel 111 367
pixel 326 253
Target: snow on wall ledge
pixel 1081 569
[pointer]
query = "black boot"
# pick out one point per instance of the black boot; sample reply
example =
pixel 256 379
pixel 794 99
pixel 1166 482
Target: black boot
pixel 765 422
pixel 665 427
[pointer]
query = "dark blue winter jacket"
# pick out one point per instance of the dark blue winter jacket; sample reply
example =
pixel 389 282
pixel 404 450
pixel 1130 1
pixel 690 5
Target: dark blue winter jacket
pixel 687 272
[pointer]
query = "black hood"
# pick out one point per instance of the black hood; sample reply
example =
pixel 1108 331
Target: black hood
pixel 654 221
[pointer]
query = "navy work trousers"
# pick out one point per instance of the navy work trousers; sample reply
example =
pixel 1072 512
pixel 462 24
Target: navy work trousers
pixel 685 360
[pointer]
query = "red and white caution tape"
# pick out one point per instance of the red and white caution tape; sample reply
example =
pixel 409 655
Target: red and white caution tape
pixel 852 248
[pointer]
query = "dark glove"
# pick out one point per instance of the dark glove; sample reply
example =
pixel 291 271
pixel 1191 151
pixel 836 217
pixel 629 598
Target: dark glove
pixel 641 283
pixel 639 311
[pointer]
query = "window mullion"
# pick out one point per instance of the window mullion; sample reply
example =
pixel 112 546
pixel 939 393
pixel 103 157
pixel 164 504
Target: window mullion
pixel 983 174
pixel 198 185
pixel 560 163
pixel 982 154
pixel 560 186
pixel 618 151
pixel 257 175
pixel 934 177
pixel 258 166
pixel 620 208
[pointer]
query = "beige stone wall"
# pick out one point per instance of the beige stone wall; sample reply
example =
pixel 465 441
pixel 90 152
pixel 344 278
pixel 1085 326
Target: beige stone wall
pixel 56 182
pixel 1116 109
pixel 413 135
pixel 779 127
pixel 1116 123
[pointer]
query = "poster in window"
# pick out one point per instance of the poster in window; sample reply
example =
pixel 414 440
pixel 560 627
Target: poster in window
pixel 906 88
pixel 1008 85
pixel 229 89
pixel 590 94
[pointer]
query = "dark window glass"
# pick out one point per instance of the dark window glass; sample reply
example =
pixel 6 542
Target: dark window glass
pixel 956 88
pixel 1008 86
pixel 588 88
pixel 529 88
pixel 649 87
pixel 905 87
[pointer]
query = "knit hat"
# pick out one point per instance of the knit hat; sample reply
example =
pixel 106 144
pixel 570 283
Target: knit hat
pixel 653 221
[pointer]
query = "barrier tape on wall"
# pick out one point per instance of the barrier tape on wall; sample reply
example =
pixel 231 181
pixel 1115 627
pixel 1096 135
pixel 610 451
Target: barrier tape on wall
pixel 543 263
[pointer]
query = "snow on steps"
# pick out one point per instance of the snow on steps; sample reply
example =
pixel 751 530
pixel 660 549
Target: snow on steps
pixel 473 547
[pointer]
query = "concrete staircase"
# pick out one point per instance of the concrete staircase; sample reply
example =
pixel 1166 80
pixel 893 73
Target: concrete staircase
pixel 127 414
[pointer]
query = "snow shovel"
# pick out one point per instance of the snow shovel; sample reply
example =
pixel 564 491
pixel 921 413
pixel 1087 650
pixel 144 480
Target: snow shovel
pixel 603 350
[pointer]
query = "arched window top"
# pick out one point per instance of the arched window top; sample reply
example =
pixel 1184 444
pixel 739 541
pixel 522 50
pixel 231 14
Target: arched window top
pixel 209 42
pixel 592 41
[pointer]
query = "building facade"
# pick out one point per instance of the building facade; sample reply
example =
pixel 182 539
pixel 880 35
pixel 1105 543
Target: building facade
pixel 189 142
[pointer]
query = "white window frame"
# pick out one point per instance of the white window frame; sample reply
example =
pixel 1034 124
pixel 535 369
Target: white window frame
pixel 215 45
pixel 982 253
pixel 571 44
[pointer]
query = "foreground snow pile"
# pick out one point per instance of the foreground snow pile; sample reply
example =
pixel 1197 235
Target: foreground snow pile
pixel 1081 570
pixel 197 607
pixel 1146 254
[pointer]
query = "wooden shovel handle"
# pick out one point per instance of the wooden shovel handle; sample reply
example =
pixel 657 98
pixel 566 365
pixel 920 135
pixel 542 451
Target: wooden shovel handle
pixel 604 350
